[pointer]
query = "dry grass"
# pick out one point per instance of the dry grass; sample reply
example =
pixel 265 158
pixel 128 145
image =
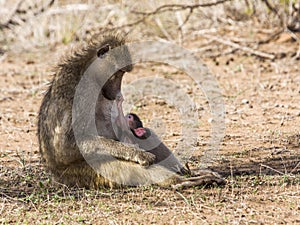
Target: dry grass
pixel 29 198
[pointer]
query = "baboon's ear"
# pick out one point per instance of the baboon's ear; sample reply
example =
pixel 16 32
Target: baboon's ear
pixel 103 50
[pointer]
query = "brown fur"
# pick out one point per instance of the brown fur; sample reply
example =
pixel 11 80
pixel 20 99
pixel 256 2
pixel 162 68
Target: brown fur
pixel 58 146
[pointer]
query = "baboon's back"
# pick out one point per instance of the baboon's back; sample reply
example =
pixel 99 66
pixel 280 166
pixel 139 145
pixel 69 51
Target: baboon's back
pixel 55 134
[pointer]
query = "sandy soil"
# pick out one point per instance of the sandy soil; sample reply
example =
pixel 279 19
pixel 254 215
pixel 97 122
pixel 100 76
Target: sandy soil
pixel 259 155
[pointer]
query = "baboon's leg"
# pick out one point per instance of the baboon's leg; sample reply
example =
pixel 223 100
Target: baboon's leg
pixel 117 173
pixel 79 174
pixel 125 173
pixel 204 177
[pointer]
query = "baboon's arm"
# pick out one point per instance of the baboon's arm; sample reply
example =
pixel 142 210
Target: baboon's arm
pixel 124 151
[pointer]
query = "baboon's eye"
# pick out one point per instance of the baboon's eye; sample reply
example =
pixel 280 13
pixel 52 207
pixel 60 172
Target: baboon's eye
pixel 103 50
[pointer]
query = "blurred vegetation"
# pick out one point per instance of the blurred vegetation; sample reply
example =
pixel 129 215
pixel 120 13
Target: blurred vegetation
pixel 29 24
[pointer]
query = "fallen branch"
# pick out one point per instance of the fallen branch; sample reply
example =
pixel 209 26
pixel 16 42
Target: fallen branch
pixel 272 37
pixel 177 7
pixel 240 47
pixel 268 167
pixel 295 168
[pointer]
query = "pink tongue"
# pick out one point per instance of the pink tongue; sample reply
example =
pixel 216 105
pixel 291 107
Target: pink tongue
pixel 139 131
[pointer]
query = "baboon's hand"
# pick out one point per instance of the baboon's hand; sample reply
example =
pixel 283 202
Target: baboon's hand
pixel 145 158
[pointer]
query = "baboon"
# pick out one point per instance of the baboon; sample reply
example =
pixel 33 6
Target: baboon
pixel 146 139
pixel 136 126
pixel 83 158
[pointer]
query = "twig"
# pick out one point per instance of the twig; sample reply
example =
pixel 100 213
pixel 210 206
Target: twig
pixel 177 7
pixel 166 8
pixel 180 27
pixel 186 19
pixel 298 164
pixel 237 46
pixel 274 10
pixel 163 30
pixel 296 37
pixel 184 198
pixel 272 37
pixel 271 7
pixel 297 56
pixel 262 165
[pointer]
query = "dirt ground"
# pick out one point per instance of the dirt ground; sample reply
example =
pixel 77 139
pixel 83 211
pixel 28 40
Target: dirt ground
pixel 259 155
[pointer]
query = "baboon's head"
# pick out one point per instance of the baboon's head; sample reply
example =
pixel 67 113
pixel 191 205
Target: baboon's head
pixel 116 54
pixel 133 121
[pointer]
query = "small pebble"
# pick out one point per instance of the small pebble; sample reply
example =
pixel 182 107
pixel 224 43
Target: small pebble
pixel 245 101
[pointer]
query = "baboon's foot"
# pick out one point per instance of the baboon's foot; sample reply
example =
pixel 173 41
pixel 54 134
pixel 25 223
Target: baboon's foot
pixel 202 177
